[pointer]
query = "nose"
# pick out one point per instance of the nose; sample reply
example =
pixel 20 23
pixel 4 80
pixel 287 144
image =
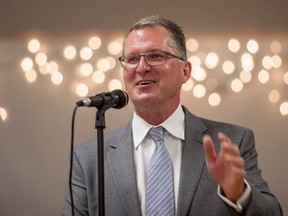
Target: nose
pixel 143 66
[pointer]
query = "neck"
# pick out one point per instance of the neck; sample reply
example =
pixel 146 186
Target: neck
pixel 155 115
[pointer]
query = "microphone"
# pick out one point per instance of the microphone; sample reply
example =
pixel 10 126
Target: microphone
pixel 116 99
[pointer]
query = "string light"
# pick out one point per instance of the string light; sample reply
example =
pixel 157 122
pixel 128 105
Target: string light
pixel 236 85
pixel 57 78
pixel 199 91
pixel 274 96
pixel 263 76
pixel 284 108
pixel 205 77
pixel 82 90
pixel 86 53
pixel 285 78
pixel 3 114
pixel 86 69
pixel 252 46
pixel 214 99
pixel 211 60
pixel 70 52
pixel 228 67
pixel 33 45
pixel 103 64
pixel 115 47
pixel 192 45
pixel 31 75
pixel 188 85
pixel 234 45
pixel 98 77
pixel 94 42
pixel 115 84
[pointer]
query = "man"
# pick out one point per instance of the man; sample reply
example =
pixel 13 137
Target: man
pixel 214 165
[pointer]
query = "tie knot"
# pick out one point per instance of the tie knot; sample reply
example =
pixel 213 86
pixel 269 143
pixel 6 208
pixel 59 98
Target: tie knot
pixel 156 133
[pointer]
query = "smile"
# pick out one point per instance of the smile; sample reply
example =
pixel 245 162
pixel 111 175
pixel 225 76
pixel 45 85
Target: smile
pixel 146 82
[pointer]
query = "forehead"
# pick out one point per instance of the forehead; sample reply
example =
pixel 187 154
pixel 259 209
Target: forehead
pixel 146 38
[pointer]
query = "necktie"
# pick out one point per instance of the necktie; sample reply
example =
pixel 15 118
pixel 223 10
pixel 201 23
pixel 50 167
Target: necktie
pixel 160 190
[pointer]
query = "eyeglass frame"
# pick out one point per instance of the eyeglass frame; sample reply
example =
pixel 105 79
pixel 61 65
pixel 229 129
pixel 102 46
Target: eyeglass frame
pixel 121 58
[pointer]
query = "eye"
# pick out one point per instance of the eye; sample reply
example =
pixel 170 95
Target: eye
pixel 132 59
pixel 156 56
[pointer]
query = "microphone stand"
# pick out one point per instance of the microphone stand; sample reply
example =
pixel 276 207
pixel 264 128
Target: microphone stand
pixel 100 126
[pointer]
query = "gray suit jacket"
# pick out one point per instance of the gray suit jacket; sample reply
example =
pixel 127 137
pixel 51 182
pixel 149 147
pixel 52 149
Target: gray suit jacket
pixel 197 190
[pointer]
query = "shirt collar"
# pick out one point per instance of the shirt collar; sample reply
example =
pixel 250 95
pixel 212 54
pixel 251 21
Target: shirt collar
pixel 174 125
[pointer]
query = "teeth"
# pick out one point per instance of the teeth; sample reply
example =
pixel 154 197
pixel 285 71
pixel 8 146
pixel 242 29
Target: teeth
pixel 145 82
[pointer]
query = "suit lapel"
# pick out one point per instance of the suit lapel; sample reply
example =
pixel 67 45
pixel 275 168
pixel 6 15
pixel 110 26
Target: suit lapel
pixel 193 160
pixel 121 163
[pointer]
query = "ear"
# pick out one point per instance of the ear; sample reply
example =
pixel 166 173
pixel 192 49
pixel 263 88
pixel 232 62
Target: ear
pixel 186 71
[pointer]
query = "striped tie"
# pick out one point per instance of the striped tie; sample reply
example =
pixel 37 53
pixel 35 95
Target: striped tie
pixel 160 192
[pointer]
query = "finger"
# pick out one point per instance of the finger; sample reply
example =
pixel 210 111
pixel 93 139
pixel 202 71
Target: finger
pixel 227 147
pixel 234 161
pixel 209 149
pixel 223 137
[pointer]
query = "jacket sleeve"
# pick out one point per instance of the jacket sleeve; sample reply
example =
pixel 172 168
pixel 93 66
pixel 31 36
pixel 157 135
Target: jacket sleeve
pixel 261 200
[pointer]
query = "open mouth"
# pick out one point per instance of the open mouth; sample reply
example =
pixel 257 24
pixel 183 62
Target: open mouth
pixel 146 82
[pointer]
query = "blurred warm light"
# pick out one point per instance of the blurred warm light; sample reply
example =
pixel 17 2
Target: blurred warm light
pixel 98 77
pixel 198 73
pixel 94 42
pixel 199 91
pixel 112 62
pixel 53 67
pixel 276 47
pixel 41 59
pixel 234 45
pixel 214 99
pixel 86 53
pixel 115 84
pixel 252 46
pixel 45 69
pixel 192 45
pixel 284 108
pixel 276 61
pixel 267 62
pixel 33 45
pixel 115 47
pixel 82 90
pixel 31 76
pixel 69 52
pixel 56 78
pixel 285 78
pixel 3 114
pixel 27 64
pixel 245 76
pixel 274 96
pixel 103 64
pixel 247 62
pixel 86 69
pixel 211 60
pixel 237 85
pixel 195 61
pixel 263 76
pixel 228 67
pixel 188 85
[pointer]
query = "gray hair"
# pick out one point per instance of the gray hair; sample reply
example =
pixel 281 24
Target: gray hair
pixel 177 37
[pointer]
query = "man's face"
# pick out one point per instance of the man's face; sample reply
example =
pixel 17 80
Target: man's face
pixel 158 85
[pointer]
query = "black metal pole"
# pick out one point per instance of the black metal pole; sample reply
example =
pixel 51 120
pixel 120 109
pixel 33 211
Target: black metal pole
pixel 100 125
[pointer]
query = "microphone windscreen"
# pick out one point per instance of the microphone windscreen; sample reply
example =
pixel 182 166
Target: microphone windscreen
pixel 123 98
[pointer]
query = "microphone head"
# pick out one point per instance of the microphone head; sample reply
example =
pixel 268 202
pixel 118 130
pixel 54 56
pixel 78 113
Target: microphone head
pixel 123 98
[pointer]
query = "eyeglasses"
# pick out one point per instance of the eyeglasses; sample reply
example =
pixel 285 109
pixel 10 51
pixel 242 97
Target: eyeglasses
pixel 152 58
